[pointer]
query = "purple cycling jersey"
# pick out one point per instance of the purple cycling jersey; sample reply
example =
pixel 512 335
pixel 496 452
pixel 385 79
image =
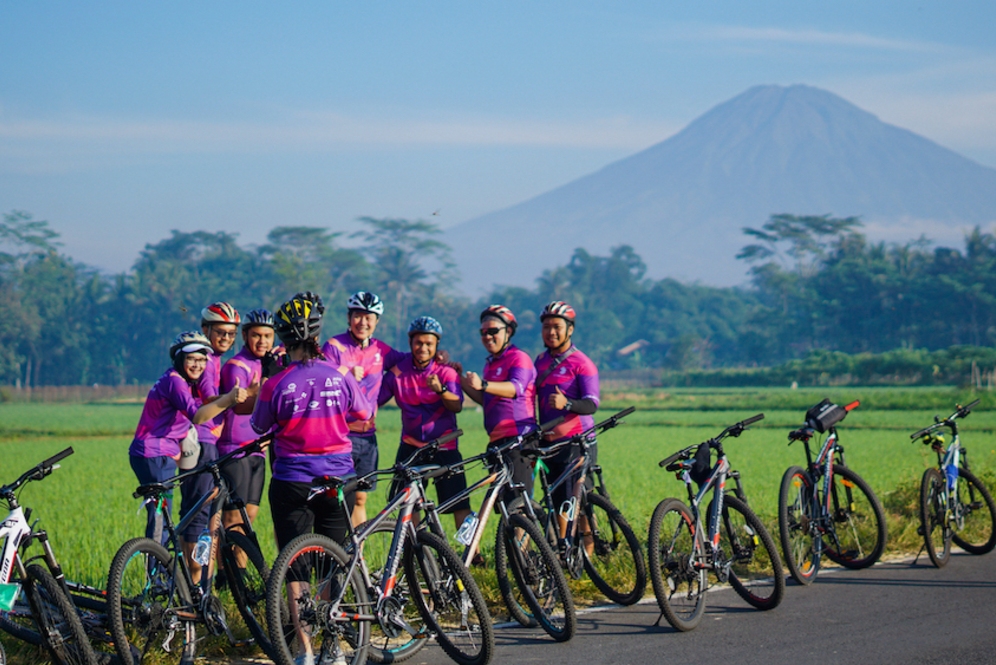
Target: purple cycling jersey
pixel 577 378
pixel 374 358
pixel 307 404
pixel 166 417
pixel 423 416
pixel 244 369
pixel 207 387
pixel 503 416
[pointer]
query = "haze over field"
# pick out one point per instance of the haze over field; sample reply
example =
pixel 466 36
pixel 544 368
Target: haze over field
pixel 682 204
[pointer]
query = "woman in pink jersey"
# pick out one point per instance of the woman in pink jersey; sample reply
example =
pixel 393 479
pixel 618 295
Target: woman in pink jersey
pixel 427 390
pixel 506 389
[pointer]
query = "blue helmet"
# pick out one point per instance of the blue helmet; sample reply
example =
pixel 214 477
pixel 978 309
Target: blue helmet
pixel 425 324
pixel 257 317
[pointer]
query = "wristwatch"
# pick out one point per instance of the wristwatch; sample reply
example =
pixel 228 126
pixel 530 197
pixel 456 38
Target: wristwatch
pixel 569 406
pixel 442 392
pixel 484 386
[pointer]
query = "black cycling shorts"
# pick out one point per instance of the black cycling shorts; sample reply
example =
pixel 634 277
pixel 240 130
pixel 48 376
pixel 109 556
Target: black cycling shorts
pixel 245 478
pixel 447 487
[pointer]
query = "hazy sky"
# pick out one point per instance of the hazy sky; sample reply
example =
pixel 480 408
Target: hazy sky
pixel 121 121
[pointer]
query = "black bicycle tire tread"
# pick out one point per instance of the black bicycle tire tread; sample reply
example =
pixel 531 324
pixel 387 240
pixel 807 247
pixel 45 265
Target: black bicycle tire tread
pixel 784 533
pixel 505 583
pixel 773 601
pixel 879 512
pixel 938 558
pixel 635 594
pixel 84 654
pixel 654 565
pixel 987 499
pixel 254 557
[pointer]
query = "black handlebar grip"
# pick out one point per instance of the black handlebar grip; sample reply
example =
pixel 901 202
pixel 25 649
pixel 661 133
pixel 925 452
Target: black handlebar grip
pixel 550 424
pixel 446 438
pixel 917 435
pixel 673 458
pixel 752 420
pixel 58 457
pixel 625 412
pixel 968 407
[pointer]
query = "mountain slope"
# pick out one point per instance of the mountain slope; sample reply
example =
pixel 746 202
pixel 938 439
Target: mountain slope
pixel 683 202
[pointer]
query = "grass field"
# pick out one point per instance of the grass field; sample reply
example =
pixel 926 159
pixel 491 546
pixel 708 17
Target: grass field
pixel 89 512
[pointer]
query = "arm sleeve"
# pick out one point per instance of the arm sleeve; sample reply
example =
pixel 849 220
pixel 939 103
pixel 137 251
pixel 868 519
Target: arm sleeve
pixel 451 381
pixel 584 407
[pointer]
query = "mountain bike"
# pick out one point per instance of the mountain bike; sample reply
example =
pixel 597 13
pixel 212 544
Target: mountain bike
pixel 151 594
pixel 339 607
pixel 34 599
pixel 954 504
pixel 587 531
pixel 522 552
pixel 827 508
pixel 729 541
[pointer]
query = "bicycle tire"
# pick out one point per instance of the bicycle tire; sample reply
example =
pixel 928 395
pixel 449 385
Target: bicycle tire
pixel 383 647
pixel 58 623
pixel 321 564
pixel 616 566
pixel 934 522
pixel 247 584
pixel 540 578
pixel 507 588
pixel 801 542
pixel 978 535
pixel 444 581
pixel 678 586
pixel 756 572
pixel 862 540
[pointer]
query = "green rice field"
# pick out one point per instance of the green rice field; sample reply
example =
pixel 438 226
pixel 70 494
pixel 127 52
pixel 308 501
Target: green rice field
pixel 89 512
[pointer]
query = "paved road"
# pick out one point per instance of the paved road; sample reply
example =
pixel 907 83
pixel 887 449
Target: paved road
pixel 892 613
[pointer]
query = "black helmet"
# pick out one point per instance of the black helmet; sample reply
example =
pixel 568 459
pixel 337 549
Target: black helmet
pixel 299 319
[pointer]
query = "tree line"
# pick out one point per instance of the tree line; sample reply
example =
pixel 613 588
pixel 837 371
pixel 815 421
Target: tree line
pixel 817 284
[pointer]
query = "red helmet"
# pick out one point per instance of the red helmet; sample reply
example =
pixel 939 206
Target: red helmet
pixel 503 314
pixel 219 312
pixel 561 309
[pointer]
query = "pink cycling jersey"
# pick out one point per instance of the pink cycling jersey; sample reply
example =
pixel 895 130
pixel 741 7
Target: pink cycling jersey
pixel 243 369
pixel 307 404
pixel 503 416
pixel 374 358
pixel 166 417
pixel 577 378
pixel 423 416
pixel 207 387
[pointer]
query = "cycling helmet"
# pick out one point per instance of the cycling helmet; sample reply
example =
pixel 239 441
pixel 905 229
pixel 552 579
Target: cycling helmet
pixel 257 317
pixel 219 312
pixel 559 308
pixel 503 314
pixel 364 301
pixel 299 319
pixel 192 341
pixel 425 324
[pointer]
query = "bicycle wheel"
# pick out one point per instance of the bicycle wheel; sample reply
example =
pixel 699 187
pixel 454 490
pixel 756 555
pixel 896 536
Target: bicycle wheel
pixel 145 600
pixel 449 600
pixel 756 569
pixel 801 540
pixel 516 604
pixel 58 623
pixel 857 521
pixel 310 581
pixel 977 535
pixel 247 573
pixel 615 564
pixel 934 523
pixel 540 578
pixel 388 643
pixel 678 585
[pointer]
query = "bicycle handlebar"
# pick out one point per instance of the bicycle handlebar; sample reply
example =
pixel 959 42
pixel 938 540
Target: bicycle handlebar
pixel 733 430
pixel 248 449
pixel 38 471
pixel 960 412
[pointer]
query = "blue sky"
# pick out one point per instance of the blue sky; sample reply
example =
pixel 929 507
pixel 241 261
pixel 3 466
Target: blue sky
pixel 121 121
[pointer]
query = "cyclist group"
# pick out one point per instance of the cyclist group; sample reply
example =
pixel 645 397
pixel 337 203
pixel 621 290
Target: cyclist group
pixel 320 403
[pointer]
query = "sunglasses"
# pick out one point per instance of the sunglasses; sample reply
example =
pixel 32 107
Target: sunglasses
pixel 224 334
pixel 490 332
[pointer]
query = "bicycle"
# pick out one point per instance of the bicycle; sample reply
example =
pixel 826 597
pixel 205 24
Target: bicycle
pixel 335 602
pixel 533 565
pixel 949 508
pixel 732 544
pixel 608 550
pixel 34 599
pixel 151 594
pixel 827 508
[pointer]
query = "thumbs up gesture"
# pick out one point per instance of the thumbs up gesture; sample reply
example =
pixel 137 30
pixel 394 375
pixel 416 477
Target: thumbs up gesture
pixel 238 394
pixel 558 400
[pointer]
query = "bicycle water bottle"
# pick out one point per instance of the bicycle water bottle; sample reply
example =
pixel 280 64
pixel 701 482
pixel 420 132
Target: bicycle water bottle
pixel 465 534
pixel 202 551
pixel 951 471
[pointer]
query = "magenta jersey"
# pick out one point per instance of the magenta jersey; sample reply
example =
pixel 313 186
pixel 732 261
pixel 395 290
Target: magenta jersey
pixel 245 369
pixel 504 417
pixel 307 405
pixel 577 378
pixel 374 358
pixel 166 417
pixel 207 387
pixel 423 416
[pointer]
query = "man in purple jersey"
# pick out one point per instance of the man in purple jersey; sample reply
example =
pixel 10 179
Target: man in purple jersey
pixel 367 358
pixel 246 476
pixel 506 389
pixel 172 405
pixel 427 390
pixel 566 385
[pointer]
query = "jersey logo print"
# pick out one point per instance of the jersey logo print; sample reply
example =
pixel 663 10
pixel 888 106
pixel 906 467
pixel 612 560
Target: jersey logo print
pixel 328 383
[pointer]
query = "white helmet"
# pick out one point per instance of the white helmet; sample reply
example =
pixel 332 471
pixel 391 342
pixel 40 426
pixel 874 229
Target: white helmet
pixel 364 301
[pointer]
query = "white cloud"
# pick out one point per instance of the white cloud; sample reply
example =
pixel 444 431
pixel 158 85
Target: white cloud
pixel 812 37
